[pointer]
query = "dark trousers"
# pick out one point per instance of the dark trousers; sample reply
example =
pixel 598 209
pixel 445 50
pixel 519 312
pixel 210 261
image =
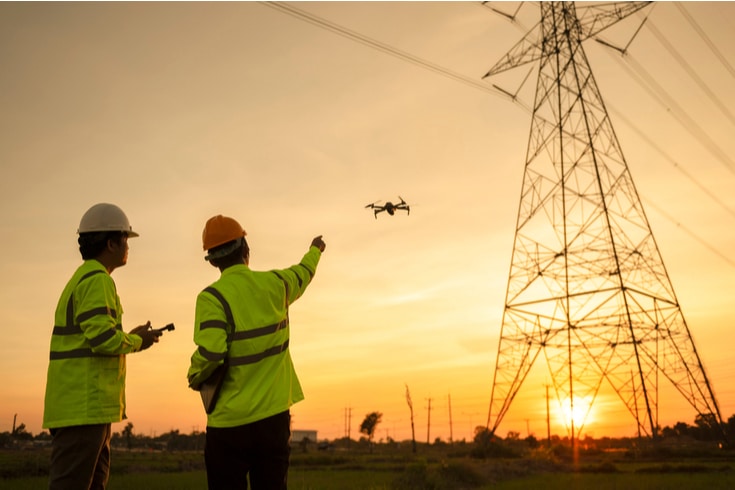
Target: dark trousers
pixel 80 457
pixel 259 451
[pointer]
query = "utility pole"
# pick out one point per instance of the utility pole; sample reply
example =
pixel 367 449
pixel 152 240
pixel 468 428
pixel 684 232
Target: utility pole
pixel 348 424
pixel 548 418
pixel 428 424
pixel 451 435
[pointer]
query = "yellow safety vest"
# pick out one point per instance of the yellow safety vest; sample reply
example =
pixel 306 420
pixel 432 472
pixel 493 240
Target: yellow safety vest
pixel 261 380
pixel 86 374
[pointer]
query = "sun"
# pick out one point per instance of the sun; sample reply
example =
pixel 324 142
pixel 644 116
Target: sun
pixel 580 413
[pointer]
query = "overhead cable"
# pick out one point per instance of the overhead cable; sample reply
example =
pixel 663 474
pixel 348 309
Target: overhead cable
pixel 668 102
pixel 660 95
pixel 691 233
pixel 705 38
pixel 380 46
pixel 644 136
pixel 691 72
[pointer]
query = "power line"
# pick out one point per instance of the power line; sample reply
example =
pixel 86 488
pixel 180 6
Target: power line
pixel 705 38
pixel 652 87
pixel 671 160
pixel 690 71
pixel 691 233
pixel 380 46
pixel 669 103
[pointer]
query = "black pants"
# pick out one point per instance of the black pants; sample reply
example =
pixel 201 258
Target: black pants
pixel 80 457
pixel 259 450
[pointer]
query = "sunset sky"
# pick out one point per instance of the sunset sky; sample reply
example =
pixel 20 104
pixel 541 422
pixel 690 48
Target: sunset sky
pixel 180 111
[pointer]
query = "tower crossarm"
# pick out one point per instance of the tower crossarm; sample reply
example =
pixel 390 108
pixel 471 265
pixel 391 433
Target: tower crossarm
pixel 592 20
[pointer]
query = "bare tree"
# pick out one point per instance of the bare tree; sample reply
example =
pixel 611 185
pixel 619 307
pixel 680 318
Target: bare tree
pixel 413 432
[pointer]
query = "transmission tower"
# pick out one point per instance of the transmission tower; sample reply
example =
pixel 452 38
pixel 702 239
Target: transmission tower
pixel 587 284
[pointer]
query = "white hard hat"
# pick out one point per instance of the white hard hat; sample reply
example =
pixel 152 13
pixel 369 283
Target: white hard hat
pixel 105 217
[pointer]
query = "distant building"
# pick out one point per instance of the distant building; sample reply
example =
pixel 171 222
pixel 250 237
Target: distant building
pixel 298 436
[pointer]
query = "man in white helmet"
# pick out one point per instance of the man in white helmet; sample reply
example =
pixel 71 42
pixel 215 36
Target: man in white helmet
pixel 85 386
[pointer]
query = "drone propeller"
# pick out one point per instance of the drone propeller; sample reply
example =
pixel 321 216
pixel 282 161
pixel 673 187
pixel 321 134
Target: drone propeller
pixel 372 205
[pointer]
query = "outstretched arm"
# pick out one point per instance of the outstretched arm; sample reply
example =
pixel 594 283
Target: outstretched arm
pixel 298 277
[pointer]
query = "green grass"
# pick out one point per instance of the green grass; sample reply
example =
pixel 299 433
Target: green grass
pixel 367 480
pixel 623 481
pixel 197 480
pixel 396 469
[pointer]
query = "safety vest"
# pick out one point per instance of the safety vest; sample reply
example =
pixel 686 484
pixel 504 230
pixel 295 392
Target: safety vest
pixel 85 383
pixel 261 380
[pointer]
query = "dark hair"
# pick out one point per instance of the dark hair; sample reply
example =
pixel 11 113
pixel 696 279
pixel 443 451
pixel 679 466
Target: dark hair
pixel 233 258
pixel 93 243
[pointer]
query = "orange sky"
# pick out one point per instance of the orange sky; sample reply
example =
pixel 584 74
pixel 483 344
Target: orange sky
pixel 179 111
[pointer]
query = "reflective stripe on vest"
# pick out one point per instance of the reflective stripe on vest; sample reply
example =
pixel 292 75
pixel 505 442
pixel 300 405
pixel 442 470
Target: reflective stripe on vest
pixel 73 327
pixel 233 335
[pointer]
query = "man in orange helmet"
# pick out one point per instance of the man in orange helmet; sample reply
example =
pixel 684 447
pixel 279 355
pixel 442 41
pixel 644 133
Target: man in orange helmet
pixel 242 329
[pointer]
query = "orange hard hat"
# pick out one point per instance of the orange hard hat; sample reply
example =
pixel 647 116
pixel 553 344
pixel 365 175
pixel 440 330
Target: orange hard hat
pixel 220 230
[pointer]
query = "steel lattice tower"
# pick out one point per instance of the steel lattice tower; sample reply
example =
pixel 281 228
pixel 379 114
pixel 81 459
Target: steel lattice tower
pixel 587 284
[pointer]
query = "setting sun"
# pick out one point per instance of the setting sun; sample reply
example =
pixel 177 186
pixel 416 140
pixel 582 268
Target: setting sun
pixel 577 414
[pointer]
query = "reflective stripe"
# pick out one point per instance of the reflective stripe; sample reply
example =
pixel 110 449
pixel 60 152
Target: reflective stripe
pixel 102 310
pixel 74 327
pixel 285 284
pixel 76 354
pixel 232 335
pixel 259 332
pixel 70 330
pixel 225 305
pixel 311 273
pixel 213 324
pixel 211 356
pixel 103 337
pixel 253 358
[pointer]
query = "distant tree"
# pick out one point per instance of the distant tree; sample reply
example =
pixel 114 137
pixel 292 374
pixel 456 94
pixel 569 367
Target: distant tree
pixel 668 432
pixel 730 428
pixel 706 427
pixel 21 433
pixel 532 441
pixel 369 425
pixel 513 435
pixel 127 434
pixel 681 429
pixel 6 439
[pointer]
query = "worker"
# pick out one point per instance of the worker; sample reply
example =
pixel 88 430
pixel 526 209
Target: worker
pixel 242 325
pixel 85 385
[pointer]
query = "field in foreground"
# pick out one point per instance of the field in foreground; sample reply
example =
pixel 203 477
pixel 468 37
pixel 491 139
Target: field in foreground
pixel 366 480
pixel 429 469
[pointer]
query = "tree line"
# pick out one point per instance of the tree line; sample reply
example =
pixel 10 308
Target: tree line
pixel 704 428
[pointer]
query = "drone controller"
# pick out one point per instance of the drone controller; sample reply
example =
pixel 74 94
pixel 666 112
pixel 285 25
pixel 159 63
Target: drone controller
pixel 170 326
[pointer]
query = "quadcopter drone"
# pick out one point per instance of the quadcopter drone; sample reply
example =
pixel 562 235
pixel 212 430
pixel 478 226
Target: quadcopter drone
pixel 389 207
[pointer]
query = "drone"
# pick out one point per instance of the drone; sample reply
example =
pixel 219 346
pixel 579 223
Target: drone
pixel 389 207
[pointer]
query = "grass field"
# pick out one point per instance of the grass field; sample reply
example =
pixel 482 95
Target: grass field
pixel 393 470
pixel 367 480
